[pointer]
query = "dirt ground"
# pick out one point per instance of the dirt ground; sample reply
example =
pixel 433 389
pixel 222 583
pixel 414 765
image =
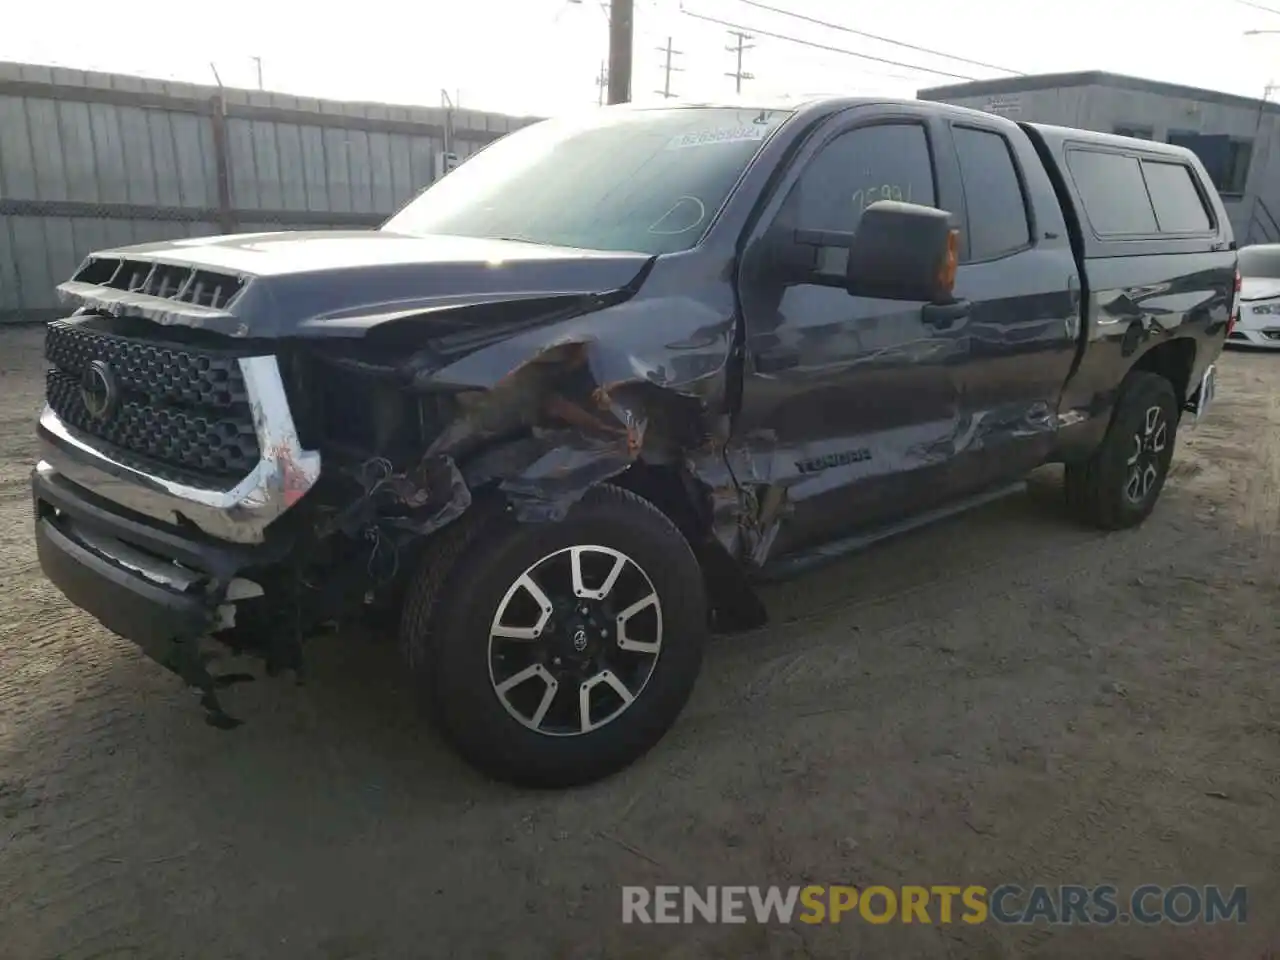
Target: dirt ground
pixel 1004 697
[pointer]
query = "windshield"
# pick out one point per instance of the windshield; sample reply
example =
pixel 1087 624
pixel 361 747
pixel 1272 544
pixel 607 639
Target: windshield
pixel 648 181
pixel 1260 260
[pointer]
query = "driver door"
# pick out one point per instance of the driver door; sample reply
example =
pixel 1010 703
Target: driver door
pixel 850 404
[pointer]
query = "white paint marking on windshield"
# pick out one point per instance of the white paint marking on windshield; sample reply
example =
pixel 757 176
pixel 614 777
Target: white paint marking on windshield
pixel 702 138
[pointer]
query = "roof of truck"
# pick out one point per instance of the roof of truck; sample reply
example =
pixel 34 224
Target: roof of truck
pixel 729 103
pixel 796 104
pixel 1058 135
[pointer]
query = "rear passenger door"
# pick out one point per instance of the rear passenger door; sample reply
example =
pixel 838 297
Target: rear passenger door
pixel 1018 272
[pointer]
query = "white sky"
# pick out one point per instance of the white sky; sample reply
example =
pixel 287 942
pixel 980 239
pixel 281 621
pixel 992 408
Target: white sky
pixel 543 56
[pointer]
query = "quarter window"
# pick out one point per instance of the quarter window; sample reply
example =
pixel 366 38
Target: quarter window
pixel 1113 193
pixel 1178 205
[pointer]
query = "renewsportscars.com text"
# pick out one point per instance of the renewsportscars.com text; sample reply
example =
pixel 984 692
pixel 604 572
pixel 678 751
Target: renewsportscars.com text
pixel 1006 904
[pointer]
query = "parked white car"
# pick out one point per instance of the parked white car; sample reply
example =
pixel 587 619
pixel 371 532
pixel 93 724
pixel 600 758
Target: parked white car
pixel 1259 323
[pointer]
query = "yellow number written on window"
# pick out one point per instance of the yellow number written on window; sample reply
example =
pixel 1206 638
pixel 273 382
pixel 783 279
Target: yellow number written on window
pixel 864 197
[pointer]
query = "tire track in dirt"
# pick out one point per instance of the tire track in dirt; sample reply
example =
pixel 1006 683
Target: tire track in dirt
pixel 1048 574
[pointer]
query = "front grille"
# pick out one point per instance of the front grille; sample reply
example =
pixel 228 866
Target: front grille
pixel 166 372
pixel 181 408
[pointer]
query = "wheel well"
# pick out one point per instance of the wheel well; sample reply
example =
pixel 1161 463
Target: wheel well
pixel 734 604
pixel 1172 360
pixel 671 492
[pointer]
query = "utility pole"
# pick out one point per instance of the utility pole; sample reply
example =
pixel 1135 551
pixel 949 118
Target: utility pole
pixel 739 48
pixel 602 83
pixel 666 72
pixel 1272 86
pixel 447 103
pixel 621 23
pixel 258 62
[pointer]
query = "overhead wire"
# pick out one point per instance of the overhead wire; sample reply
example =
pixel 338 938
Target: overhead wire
pixel 822 46
pixel 872 36
pixel 1258 6
pixel 838 66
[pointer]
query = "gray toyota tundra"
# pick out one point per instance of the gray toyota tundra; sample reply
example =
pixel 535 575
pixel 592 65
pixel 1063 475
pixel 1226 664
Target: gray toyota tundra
pixel 566 408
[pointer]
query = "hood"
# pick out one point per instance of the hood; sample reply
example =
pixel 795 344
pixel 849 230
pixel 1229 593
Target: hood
pixel 337 283
pixel 1259 288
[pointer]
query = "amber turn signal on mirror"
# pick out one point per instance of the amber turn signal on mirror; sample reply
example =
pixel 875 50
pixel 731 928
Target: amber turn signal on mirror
pixel 950 260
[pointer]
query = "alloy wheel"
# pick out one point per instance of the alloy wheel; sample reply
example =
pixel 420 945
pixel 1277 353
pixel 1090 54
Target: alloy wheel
pixel 1144 464
pixel 575 640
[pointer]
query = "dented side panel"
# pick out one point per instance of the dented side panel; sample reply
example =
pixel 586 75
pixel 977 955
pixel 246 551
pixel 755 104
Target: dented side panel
pixel 860 412
pixel 863 427
pixel 852 407
pixel 551 412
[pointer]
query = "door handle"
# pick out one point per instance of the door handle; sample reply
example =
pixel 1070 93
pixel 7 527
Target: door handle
pixel 945 315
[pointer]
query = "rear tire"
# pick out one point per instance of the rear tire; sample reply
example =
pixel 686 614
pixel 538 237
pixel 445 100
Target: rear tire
pixel 1119 485
pixel 632 624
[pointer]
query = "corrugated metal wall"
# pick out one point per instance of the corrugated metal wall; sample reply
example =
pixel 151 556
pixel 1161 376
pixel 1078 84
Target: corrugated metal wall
pixel 89 160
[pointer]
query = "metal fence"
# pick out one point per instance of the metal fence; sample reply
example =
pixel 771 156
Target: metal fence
pixel 90 160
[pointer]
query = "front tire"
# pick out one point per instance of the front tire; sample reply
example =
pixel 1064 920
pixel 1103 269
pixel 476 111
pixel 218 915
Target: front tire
pixel 555 654
pixel 1119 485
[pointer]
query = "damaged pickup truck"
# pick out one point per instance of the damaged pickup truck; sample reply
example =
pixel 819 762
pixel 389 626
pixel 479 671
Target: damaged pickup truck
pixel 564 410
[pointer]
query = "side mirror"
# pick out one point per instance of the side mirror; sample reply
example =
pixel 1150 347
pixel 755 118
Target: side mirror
pixel 903 251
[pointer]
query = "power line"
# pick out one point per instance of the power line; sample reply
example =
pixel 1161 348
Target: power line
pixel 823 46
pixel 739 48
pixel 844 71
pixel 667 68
pixel 872 36
pixel 1258 6
pixel 839 67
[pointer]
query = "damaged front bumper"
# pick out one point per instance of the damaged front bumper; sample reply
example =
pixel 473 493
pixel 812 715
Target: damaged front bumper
pixel 283 474
pixel 155 586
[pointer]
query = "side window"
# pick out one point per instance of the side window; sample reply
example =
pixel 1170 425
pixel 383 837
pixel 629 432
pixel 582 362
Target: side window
pixel 1178 204
pixel 886 162
pixel 1113 193
pixel 997 209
